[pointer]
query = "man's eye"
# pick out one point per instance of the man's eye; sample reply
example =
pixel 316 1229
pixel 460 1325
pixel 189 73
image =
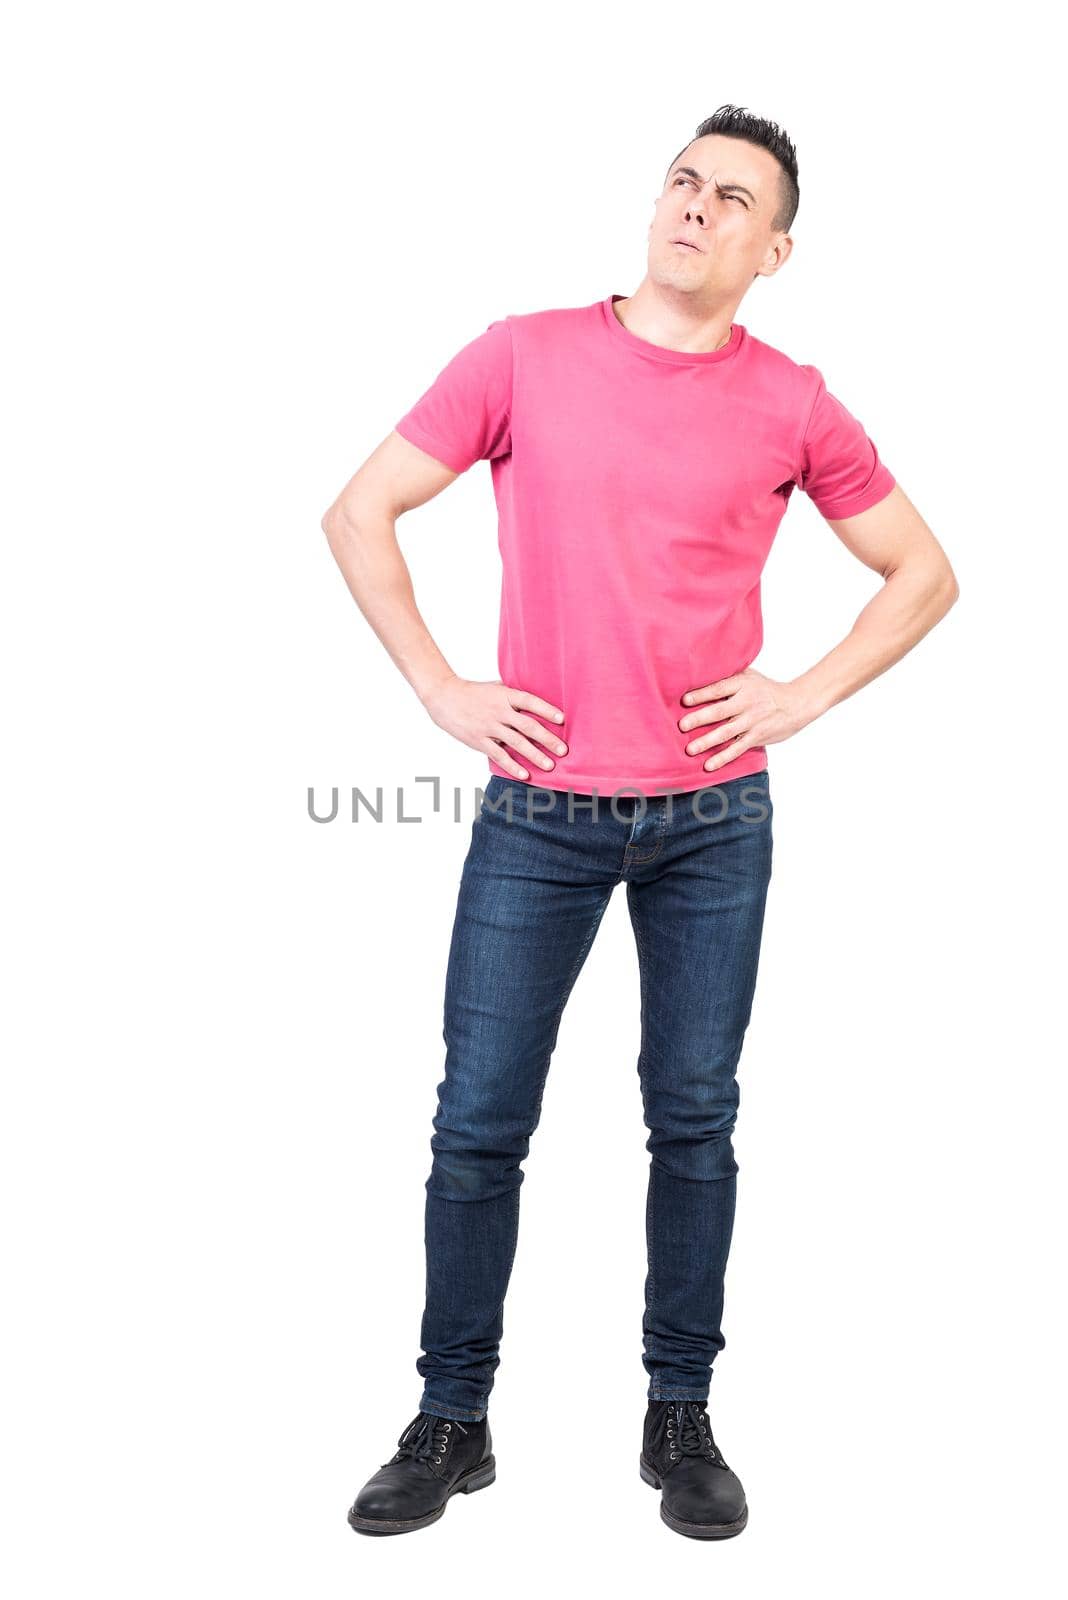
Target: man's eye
pixel 737 197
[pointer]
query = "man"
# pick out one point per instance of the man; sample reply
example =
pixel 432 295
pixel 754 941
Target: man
pixel 643 452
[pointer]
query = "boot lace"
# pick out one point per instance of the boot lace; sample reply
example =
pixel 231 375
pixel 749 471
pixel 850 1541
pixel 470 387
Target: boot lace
pixel 425 1439
pixel 689 1434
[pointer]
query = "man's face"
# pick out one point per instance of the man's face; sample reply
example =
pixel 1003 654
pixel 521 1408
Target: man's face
pixel 721 195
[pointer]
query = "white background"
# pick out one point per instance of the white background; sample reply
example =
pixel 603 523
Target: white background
pixel 241 241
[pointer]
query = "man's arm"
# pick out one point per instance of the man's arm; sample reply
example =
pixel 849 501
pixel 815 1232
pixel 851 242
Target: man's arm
pixel 360 528
pixel 919 587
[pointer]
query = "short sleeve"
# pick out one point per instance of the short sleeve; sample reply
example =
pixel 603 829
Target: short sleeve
pixel 840 468
pixel 466 414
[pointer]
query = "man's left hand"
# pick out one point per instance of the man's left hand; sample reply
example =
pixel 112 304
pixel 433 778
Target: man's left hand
pixel 747 709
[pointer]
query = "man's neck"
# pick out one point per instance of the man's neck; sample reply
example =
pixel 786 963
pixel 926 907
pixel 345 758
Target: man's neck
pixel 673 323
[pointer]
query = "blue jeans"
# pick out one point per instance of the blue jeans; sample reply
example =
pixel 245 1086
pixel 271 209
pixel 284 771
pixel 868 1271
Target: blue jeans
pixel 535 884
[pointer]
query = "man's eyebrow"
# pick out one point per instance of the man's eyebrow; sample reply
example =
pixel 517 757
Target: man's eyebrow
pixel 692 173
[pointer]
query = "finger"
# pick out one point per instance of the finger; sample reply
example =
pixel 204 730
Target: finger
pixel 712 691
pixel 524 701
pixel 523 747
pixel 534 730
pixel 494 748
pixel 718 711
pixel 708 741
pixel 732 752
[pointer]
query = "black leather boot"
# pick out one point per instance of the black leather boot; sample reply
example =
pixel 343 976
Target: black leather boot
pixel 437 1457
pixel 700 1495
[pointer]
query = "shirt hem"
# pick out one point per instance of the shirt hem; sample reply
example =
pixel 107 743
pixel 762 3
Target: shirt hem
pixel 588 783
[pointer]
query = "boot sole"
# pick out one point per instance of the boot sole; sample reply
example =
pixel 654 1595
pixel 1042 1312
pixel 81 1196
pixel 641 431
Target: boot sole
pixel 474 1478
pixel 693 1530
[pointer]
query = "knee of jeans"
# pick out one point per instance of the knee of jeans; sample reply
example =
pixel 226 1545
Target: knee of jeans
pixel 705 1156
pixel 466 1172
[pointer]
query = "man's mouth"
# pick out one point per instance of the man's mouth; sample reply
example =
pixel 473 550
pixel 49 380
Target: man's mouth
pixel 688 246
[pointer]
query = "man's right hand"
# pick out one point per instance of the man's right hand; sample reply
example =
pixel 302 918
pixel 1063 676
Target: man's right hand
pixel 490 717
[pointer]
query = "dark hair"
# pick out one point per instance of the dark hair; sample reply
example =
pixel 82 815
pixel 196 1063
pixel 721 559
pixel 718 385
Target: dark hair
pixel 735 122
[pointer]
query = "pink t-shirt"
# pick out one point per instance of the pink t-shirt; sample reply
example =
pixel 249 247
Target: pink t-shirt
pixel 639 490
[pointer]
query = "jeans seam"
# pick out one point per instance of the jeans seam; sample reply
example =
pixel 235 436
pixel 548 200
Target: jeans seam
pixel 650 1205
pixel 515 1241
pixel 640 860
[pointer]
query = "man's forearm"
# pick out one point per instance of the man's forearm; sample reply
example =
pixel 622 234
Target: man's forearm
pixel 895 619
pixel 364 545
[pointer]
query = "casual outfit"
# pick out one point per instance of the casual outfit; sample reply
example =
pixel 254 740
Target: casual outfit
pixel 639 490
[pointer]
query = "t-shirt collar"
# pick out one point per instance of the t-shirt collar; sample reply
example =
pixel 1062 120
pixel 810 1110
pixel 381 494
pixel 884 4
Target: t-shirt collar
pixel 657 352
